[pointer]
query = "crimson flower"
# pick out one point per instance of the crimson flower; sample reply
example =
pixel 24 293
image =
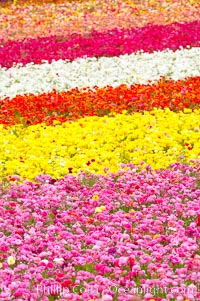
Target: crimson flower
pixel 67 283
pixel 70 169
pixel 198 221
pixel 131 262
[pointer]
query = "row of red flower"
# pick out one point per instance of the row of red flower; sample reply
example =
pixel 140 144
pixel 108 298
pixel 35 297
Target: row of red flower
pixel 73 104
pixel 112 43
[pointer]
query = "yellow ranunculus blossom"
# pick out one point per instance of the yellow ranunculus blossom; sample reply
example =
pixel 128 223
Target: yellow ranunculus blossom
pixel 95 197
pixel 158 138
pixel 100 209
pixel 11 260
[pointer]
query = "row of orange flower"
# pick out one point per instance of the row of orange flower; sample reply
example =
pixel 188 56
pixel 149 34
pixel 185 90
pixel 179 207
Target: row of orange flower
pixel 74 104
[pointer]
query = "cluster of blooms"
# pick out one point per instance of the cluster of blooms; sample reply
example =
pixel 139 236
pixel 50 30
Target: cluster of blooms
pixel 112 43
pixel 74 104
pixel 89 72
pixel 98 238
pixel 159 137
pixel 22 22
pixel 100 151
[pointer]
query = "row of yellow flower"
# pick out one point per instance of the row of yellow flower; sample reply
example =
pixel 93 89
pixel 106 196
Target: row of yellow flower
pixel 159 138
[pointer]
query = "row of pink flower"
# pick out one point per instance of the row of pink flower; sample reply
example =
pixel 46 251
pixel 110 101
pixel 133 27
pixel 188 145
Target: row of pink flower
pixel 92 233
pixel 112 43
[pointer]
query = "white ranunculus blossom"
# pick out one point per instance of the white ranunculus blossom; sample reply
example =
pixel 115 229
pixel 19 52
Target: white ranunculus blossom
pixel 59 260
pixel 88 72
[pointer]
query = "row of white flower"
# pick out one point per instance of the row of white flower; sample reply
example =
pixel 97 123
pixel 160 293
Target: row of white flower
pixel 88 72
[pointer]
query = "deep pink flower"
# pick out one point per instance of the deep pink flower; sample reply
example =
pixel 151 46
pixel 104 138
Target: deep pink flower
pixel 18 293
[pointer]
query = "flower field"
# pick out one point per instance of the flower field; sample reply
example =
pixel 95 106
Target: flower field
pixel 100 150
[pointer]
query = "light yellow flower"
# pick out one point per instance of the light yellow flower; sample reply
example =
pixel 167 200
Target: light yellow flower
pixel 11 260
pixel 100 209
